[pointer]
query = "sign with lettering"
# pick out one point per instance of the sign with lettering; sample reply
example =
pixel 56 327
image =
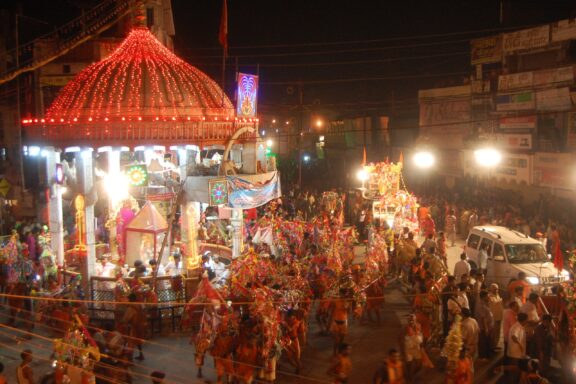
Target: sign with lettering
pixel 518 122
pixel 564 30
pixel 515 81
pixel 553 99
pixel 515 141
pixel 554 170
pixel 515 102
pixel 450 111
pixel 526 39
pixel 486 50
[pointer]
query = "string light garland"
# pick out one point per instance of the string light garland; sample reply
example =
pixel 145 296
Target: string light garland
pixel 140 87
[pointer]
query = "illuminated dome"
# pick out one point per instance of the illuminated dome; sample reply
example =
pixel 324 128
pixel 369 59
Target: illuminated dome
pixel 141 94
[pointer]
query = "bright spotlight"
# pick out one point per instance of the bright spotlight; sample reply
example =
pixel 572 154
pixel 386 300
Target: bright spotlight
pixel 487 157
pixel 424 159
pixel 362 175
pixel 306 158
pixel 319 123
pixel 117 187
pixel 269 143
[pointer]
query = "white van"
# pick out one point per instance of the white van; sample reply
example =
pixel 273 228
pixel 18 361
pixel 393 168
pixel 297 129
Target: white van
pixel 510 252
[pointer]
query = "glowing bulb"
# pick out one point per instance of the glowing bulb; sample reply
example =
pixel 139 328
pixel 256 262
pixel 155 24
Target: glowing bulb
pixel 487 157
pixel 269 143
pixel 362 175
pixel 424 159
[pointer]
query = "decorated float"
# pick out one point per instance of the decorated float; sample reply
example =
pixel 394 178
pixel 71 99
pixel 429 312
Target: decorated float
pixel 383 185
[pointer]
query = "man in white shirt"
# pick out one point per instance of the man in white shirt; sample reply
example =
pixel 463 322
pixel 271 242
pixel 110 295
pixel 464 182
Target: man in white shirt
pixel 462 297
pixel 470 333
pixel 220 269
pixel 174 268
pixel 516 347
pixel 483 258
pixel 531 309
pixel 105 268
pixel 462 267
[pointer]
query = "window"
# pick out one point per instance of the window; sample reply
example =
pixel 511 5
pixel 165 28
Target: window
pixel 473 241
pixel 489 242
pixel 497 251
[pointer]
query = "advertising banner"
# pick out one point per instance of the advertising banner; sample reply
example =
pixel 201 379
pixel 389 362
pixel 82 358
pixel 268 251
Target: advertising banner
pixel 554 99
pixel 518 122
pixel 444 112
pixel 554 170
pixel 553 76
pixel 514 167
pixel 515 141
pixel 564 30
pixel 526 39
pixel 515 81
pixel 515 102
pixel 486 50
pixel 244 194
pixel 247 95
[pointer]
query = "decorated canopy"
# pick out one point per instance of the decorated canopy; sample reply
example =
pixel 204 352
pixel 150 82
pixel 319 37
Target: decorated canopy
pixel 144 235
pixel 141 94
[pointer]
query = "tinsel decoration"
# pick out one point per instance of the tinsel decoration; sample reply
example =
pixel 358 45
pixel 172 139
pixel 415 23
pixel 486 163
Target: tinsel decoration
pixel 452 348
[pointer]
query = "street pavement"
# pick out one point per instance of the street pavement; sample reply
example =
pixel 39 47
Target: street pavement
pixel 174 355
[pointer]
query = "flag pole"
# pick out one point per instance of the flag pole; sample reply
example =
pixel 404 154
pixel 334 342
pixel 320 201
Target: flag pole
pixel 223 38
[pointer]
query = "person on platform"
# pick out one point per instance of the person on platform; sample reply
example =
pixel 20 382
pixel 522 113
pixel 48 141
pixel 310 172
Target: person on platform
pixel 175 267
pixel 105 268
pixel 342 365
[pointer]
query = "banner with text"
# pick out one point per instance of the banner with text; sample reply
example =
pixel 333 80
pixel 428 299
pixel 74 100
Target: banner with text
pixel 554 170
pixel 526 39
pixel 515 102
pixel 486 50
pixel 244 194
pixel 554 99
pixel 515 141
pixel 517 122
pixel 564 30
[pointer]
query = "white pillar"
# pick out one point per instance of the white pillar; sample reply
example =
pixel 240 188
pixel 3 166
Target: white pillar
pixel 85 176
pixel 237 222
pixel 113 170
pixel 56 222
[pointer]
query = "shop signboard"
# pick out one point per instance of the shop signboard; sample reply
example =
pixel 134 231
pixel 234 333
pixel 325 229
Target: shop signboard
pixel 515 81
pixel 554 99
pixel 486 50
pixel 444 112
pixel 517 122
pixel 554 170
pixel 564 30
pixel 526 39
pixel 553 76
pixel 522 101
pixel 515 141
pixel 514 168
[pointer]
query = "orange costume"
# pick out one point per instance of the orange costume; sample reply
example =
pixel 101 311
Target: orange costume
pixel 246 359
pixel 463 372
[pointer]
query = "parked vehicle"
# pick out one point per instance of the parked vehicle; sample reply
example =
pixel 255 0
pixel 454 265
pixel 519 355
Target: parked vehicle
pixel 511 252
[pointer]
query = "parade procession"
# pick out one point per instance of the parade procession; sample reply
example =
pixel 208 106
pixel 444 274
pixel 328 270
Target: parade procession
pixel 175 209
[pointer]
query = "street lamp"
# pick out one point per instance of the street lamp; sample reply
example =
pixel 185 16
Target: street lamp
pixel 424 159
pixel 319 123
pixel 269 143
pixel 487 157
pixel 362 175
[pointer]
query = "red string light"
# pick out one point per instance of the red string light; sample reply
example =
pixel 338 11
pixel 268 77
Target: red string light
pixel 140 78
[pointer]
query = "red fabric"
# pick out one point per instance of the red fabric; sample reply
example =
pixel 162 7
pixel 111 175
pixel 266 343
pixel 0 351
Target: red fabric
pixel 558 258
pixel 251 214
pixel 223 33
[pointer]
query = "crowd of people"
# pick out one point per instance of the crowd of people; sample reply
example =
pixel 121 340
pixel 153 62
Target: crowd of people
pixel 298 265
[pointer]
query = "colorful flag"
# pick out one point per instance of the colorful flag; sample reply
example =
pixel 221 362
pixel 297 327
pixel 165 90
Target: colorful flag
pixel 223 33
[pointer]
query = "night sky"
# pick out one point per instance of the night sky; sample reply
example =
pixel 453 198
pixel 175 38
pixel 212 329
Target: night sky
pixel 348 55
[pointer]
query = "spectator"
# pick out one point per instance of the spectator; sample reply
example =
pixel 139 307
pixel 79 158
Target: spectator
pixel 544 343
pixel 485 320
pixel 462 298
pixel 470 333
pixel 516 347
pixel 530 308
pixel 462 267
pixel 497 309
